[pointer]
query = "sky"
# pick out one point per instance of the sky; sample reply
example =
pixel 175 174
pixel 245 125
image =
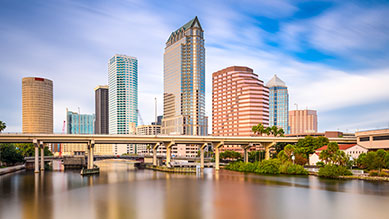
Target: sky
pixel 333 55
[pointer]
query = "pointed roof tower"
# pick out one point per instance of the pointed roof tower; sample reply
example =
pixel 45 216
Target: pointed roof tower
pixel 275 82
pixel 192 23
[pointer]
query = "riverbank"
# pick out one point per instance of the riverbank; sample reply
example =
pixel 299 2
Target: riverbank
pixel 12 169
pixel 171 169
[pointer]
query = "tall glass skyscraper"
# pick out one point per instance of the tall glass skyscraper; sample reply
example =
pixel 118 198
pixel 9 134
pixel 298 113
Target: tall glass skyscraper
pixel 122 94
pixel 184 82
pixel 278 103
pixel 80 123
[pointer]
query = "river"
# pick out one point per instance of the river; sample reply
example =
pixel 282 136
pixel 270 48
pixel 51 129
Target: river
pixel 120 192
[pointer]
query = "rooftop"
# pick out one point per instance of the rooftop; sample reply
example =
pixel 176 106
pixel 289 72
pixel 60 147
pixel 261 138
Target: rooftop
pixel 275 82
pixel 185 27
pixel 342 147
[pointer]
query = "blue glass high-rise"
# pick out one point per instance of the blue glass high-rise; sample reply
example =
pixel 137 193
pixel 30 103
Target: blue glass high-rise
pixel 122 94
pixel 80 123
pixel 278 104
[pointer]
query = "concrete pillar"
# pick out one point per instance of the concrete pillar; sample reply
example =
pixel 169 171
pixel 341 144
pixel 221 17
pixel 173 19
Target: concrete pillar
pixel 42 146
pixel 246 155
pixel 91 146
pixel 92 151
pixel 201 158
pixel 155 147
pixel 267 149
pixel 202 147
pixel 217 158
pixel 168 155
pixel 36 157
pixel 216 147
pixel 267 152
pixel 169 152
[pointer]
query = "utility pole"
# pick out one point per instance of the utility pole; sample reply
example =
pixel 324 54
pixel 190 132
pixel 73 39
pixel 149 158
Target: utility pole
pixel 79 121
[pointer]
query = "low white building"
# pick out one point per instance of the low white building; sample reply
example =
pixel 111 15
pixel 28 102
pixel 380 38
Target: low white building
pixel 354 150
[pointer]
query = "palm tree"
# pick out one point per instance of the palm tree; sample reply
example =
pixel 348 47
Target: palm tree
pixel 2 126
pixel 267 131
pixel 324 155
pixel 281 132
pixel 258 129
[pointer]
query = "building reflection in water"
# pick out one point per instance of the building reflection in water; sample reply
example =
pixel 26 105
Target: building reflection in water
pixel 119 192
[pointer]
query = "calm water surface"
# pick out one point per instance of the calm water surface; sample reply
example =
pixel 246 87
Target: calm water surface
pixel 119 192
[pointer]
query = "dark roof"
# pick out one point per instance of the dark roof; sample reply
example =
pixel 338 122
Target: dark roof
pixel 185 27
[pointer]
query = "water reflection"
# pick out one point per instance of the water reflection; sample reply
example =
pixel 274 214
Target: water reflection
pixel 122 192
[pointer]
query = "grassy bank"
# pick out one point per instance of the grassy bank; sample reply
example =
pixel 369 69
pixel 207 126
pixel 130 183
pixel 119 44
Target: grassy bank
pixel 270 167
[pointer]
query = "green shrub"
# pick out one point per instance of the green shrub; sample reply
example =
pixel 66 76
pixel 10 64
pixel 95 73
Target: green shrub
pixel 333 171
pixel 293 169
pixel 384 174
pixel 269 167
pixel 242 167
pixel 320 164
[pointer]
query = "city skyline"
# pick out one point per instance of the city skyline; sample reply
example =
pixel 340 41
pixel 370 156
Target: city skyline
pixel 342 77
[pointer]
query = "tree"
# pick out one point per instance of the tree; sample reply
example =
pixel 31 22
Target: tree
pixel 2 126
pixel 280 146
pixel 379 161
pixel 320 141
pixel 267 130
pixel 28 150
pixel 258 129
pixel 361 161
pixel 9 154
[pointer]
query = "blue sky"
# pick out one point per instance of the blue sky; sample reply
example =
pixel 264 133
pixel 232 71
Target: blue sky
pixel 333 55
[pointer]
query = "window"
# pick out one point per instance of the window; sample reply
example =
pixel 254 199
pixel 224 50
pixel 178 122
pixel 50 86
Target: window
pixel 364 139
pixel 381 138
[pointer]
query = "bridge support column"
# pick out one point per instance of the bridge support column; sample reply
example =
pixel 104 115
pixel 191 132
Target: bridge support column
pixel 91 146
pixel 267 146
pixel 202 147
pixel 42 146
pixel 217 146
pixel 36 156
pixel 246 152
pixel 246 155
pixel 155 147
pixel 169 152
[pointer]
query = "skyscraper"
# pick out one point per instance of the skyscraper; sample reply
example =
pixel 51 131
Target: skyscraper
pixel 79 123
pixel 303 121
pixel 239 101
pixel 37 105
pixel 184 82
pixel 278 103
pixel 122 94
pixel 101 109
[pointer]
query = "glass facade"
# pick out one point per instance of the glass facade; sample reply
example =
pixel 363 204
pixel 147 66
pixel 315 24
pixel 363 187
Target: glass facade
pixel 122 94
pixel 278 104
pixel 184 82
pixel 80 123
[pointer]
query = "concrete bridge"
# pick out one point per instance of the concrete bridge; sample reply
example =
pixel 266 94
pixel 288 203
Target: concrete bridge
pixel 156 141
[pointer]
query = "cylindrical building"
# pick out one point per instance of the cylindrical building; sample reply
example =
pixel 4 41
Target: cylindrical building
pixel 37 104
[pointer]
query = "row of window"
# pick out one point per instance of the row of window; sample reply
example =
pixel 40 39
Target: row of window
pixel 375 138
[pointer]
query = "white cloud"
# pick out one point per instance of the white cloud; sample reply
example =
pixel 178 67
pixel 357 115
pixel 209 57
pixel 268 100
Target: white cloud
pixel 349 30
